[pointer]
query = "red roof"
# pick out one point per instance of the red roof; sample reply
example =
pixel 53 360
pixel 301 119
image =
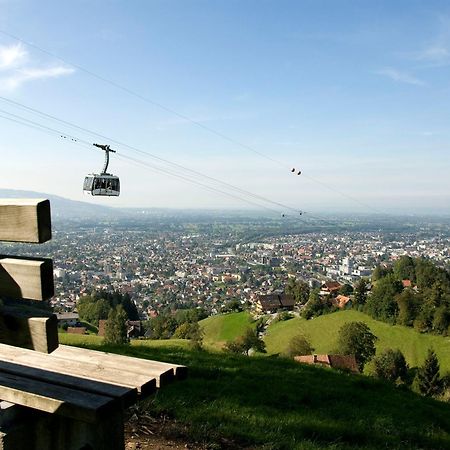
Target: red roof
pixel 341 301
pixel 345 362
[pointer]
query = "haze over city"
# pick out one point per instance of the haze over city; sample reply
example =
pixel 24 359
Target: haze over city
pixel 354 95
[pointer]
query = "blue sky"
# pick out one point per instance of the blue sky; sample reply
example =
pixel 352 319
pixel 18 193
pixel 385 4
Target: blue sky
pixel 356 94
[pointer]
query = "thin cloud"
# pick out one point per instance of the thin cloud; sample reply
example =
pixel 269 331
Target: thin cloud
pixel 17 69
pixel 435 54
pixel 12 56
pixel 22 76
pixel 400 76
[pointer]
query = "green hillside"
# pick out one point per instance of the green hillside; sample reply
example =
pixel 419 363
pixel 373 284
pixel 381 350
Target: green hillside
pixel 231 402
pixel 322 332
pixel 225 327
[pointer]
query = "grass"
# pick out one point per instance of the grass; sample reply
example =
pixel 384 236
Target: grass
pixel 274 403
pixel 322 332
pixel 225 327
pixel 89 339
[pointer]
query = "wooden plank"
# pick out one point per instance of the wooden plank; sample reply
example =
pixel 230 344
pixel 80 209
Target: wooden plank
pixel 25 220
pixel 158 369
pixel 144 384
pixel 51 398
pixel 37 333
pixel 28 278
pixel 126 396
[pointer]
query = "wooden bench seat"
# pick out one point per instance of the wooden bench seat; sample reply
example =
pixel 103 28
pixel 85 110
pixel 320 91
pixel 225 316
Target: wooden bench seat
pixel 163 372
pixel 119 376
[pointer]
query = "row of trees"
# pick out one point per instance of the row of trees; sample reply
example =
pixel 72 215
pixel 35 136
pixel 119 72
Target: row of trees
pixel 98 305
pixel 426 306
pixel 184 324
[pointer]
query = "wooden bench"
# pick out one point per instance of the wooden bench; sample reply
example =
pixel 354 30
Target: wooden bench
pixel 56 397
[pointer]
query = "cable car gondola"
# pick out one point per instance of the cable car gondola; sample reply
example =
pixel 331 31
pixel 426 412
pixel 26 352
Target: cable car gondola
pixel 104 184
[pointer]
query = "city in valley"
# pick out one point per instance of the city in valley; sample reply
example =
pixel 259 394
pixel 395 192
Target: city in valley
pixel 178 260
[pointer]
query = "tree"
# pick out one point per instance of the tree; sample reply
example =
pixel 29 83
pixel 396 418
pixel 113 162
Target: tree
pixel 355 338
pixel 130 307
pixel 243 344
pixel 404 269
pixel 380 272
pixel 299 289
pixel 92 309
pixel 428 379
pixel 381 304
pixel 317 305
pixel 407 307
pixel 298 346
pixel 116 326
pixel 441 319
pixel 360 292
pixel 346 289
pixel 391 365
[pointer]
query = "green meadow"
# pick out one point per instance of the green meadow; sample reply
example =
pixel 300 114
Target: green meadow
pixel 322 333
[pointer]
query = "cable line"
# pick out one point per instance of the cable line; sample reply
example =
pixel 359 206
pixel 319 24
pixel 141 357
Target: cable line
pixel 151 155
pixel 184 117
pixel 52 131
pixel 146 99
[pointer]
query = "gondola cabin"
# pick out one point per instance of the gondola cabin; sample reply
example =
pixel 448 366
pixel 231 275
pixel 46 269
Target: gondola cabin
pixel 104 184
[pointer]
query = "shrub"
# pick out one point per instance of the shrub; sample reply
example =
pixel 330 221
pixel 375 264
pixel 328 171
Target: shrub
pixel 298 346
pixel 391 365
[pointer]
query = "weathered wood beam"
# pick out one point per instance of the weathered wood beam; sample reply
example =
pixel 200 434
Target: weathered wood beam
pixel 28 278
pixel 21 329
pixel 163 372
pixel 126 396
pixel 52 398
pixel 145 384
pixel 25 220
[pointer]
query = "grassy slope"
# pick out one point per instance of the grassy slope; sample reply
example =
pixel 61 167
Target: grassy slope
pixel 323 330
pixel 225 327
pixel 273 403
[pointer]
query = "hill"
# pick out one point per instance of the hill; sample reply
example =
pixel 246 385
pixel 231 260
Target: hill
pixel 231 402
pixel 225 327
pixel 322 332
pixel 63 207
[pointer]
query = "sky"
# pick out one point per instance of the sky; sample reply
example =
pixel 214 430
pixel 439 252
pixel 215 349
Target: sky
pixel 356 95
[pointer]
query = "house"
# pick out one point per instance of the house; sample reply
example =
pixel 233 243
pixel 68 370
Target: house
pixel 330 288
pixel 134 328
pixel 76 330
pixel 273 302
pixel 342 362
pixel 342 302
pixel 69 318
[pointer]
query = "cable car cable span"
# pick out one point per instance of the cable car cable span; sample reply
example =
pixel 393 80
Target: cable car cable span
pixel 185 117
pixel 85 144
pixel 148 100
pixel 153 156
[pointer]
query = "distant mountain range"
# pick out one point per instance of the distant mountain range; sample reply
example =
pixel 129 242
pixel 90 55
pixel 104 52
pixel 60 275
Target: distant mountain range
pixel 63 207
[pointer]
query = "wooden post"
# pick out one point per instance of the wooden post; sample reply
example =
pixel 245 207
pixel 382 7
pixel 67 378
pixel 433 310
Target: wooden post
pixel 25 220
pixel 27 278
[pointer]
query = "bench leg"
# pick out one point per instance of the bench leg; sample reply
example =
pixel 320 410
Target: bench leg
pixel 35 430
